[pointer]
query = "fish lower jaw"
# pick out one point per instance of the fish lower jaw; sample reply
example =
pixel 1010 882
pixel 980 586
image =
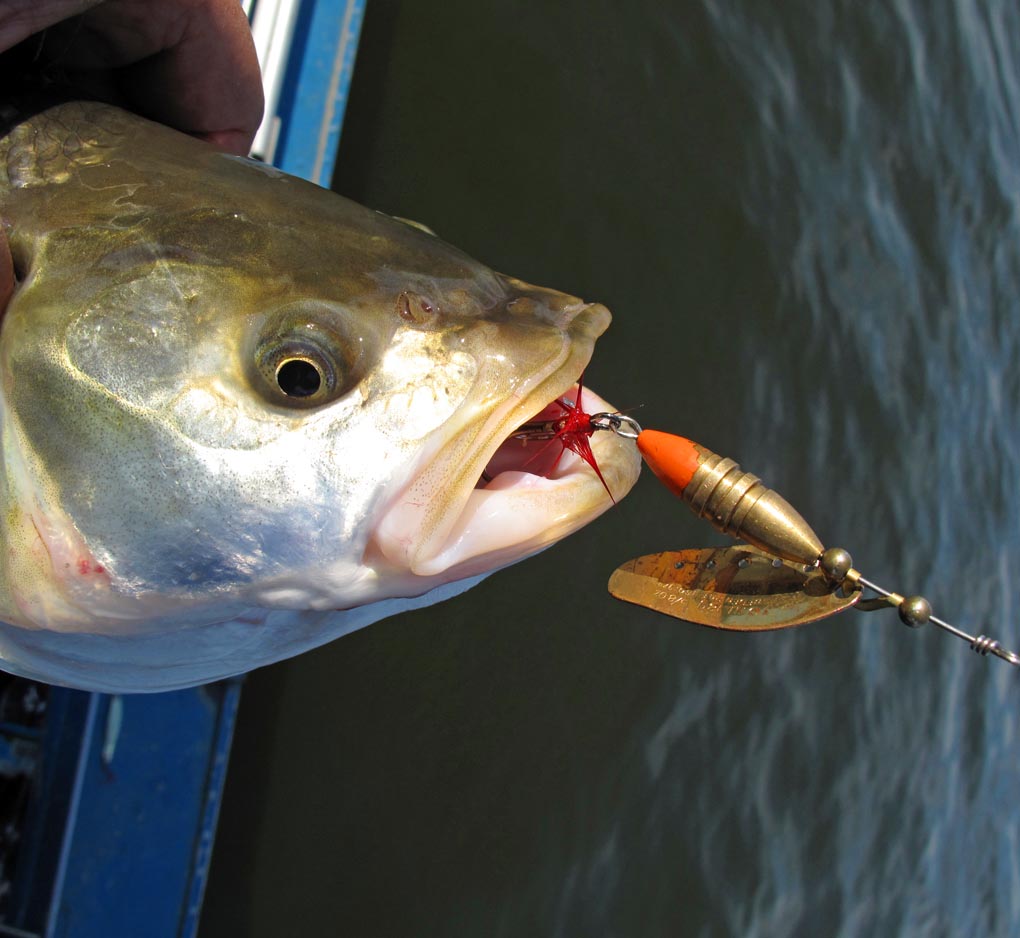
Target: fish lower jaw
pixel 510 514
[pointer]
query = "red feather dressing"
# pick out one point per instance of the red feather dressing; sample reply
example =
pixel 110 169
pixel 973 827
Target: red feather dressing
pixel 573 431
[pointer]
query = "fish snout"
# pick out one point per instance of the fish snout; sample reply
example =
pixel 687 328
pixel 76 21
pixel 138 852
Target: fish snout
pixel 565 312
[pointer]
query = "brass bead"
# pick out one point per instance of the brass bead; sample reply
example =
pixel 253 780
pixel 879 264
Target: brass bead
pixel 836 563
pixel 915 611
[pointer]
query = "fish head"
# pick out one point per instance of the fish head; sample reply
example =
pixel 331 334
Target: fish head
pixel 239 405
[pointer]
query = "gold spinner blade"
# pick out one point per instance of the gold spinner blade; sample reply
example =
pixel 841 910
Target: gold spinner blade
pixel 737 588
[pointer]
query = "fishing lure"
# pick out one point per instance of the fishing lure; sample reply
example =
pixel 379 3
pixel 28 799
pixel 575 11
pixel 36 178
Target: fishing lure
pixel 782 576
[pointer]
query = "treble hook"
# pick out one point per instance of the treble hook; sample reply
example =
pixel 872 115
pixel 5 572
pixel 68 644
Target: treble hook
pixel 620 424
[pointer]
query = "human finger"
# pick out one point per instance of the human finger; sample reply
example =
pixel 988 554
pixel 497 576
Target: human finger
pixel 191 65
pixel 20 19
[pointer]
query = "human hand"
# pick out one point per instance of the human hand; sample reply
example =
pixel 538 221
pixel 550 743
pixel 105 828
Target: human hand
pixel 190 64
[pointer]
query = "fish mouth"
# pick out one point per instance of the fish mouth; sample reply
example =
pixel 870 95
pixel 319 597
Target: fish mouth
pixel 490 497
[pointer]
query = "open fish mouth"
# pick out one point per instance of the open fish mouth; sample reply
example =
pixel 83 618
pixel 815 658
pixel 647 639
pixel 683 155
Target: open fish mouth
pixel 492 498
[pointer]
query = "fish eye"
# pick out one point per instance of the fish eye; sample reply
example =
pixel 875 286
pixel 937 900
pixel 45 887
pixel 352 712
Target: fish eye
pixel 299 377
pixel 305 355
pixel 301 371
pixel 303 367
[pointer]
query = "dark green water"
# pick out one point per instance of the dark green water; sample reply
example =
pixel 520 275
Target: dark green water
pixel 805 219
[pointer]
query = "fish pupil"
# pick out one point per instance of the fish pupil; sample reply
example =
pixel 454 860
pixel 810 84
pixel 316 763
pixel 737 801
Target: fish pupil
pixel 298 378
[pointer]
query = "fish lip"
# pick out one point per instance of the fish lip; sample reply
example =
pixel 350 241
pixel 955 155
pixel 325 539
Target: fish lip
pixel 576 493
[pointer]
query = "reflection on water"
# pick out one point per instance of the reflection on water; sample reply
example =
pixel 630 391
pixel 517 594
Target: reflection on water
pixel 805 218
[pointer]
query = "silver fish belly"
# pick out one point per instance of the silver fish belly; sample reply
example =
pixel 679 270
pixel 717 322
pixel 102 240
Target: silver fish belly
pixel 242 416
